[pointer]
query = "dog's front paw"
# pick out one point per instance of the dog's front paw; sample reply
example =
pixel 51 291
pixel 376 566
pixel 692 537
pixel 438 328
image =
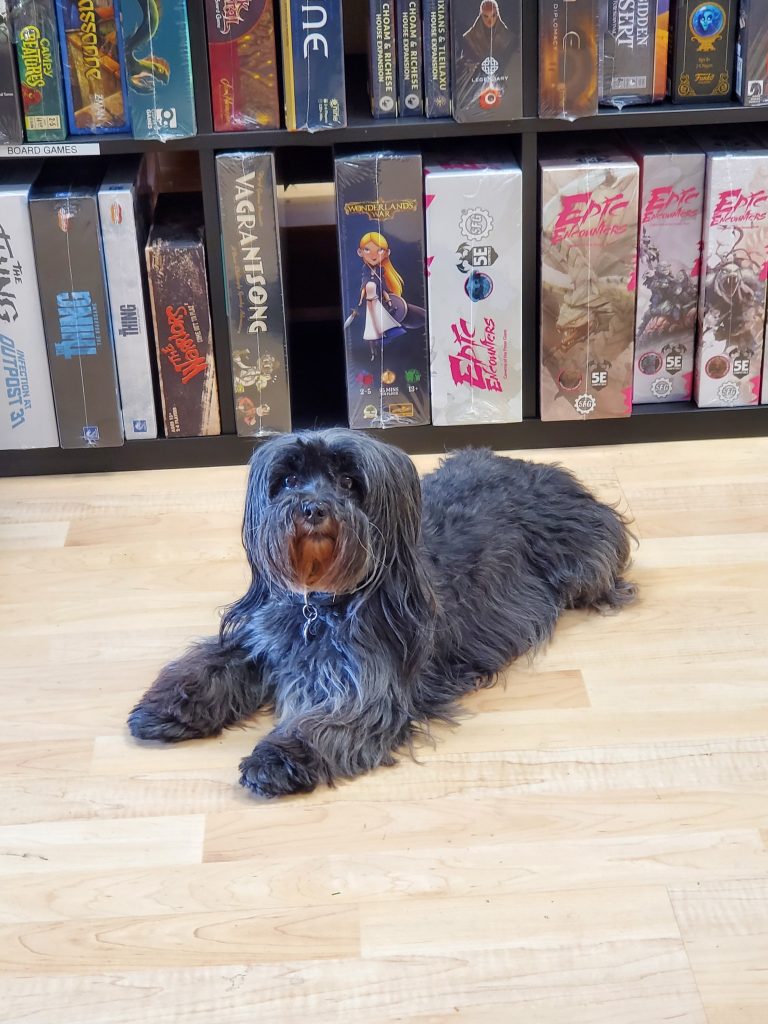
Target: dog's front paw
pixel 275 769
pixel 148 722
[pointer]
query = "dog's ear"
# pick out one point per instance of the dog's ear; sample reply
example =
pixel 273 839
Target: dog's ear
pixel 393 499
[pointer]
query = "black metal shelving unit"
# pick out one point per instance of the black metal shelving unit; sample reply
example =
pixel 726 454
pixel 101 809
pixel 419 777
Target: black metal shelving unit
pixel 315 340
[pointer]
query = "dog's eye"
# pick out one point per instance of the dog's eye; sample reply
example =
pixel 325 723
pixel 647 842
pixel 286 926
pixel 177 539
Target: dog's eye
pixel 291 480
pixel 346 483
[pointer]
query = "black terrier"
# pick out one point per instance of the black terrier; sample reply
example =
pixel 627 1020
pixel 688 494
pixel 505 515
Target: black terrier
pixel 377 601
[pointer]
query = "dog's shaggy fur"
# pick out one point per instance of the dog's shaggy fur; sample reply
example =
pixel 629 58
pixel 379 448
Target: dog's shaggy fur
pixel 376 602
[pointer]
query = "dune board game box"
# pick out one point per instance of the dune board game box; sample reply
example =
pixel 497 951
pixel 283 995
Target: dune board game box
pixel 487 60
pixel 38 57
pixel 70 271
pixel 568 58
pixel 27 415
pixel 93 62
pixel 588 259
pixel 410 90
pixel 669 258
pixel 437 58
pixel 123 233
pixel 11 126
pixel 243 65
pixel 734 270
pixel 254 292
pixel 161 98
pixel 703 51
pixel 634 43
pixel 313 65
pixel 474 256
pixel 382 57
pixel 178 289
pixel 381 244
pixel 752 53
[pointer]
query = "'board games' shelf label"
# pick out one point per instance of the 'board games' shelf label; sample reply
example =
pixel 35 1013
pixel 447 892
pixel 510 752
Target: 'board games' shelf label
pixel 51 149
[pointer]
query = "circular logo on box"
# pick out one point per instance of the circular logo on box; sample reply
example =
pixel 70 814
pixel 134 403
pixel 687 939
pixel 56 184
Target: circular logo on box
pixel 490 66
pixel 489 98
pixel 661 388
pixel 707 23
pixel 476 223
pixel 412 101
pixel 650 363
pixel 478 286
pixel 717 367
pixel 570 380
pixel 387 104
pixel 728 393
pixel 585 404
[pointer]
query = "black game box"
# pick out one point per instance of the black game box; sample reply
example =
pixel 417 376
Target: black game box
pixel 410 95
pixel 703 51
pixel 437 58
pixel 487 63
pixel 752 53
pixel 382 57
pixel 11 130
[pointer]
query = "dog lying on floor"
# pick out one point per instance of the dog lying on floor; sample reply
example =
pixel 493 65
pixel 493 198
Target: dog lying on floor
pixel 376 600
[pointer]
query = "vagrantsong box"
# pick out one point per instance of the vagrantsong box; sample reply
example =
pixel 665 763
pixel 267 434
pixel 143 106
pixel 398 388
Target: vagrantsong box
pixel 178 288
pixel 752 53
pixel 313 65
pixel 568 58
pixel 27 416
pixel 39 63
pixel 243 65
pixel 734 268
pixel 487 62
pixel 381 239
pixel 257 331
pixel 158 69
pixel 382 57
pixel 93 61
pixel 671 209
pixel 703 51
pixel 588 257
pixel 70 271
pixel 410 93
pixel 631 50
pixel 474 255
pixel 10 106
pixel 437 58
pixel 123 234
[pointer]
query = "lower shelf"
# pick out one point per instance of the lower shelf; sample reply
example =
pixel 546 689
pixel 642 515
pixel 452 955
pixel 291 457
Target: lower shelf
pixel 680 422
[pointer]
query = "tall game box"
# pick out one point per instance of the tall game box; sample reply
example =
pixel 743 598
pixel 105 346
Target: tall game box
pixel 93 60
pixel 39 62
pixel 588 258
pixel 568 58
pixel 255 307
pixel 243 65
pixel 703 51
pixel 752 53
pixel 313 65
pixel 123 233
pixel 158 69
pixel 382 57
pixel 474 255
pixel 734 270
pixel 27 416
pixel 70 272
pixel 178 288
pixel 671 209
pixel 11 129
pixel 634 43
pixel 381 239
pixel 410 89
pixel 487 60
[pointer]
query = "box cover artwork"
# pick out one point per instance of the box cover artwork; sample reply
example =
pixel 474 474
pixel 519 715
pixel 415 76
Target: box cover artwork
pixel 752 53
pixel 588 256
pixel 703 50
pixel 474 256
pixel 568 58
pixel 487 61
pixel 381 239
pixel 437 58
pixel 39 62
pixel 634 43
pixel 313 65
pixel 11 129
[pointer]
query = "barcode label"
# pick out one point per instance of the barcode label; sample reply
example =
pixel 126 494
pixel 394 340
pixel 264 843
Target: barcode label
pixel 629 82
pixel 38 122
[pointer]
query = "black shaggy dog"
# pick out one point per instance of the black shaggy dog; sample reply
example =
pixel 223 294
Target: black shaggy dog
pixel 376 602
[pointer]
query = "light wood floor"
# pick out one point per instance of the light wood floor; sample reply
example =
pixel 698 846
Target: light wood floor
pixel 589 847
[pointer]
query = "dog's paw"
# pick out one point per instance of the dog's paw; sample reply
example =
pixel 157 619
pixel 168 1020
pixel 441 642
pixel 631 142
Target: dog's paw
pixel 272 770
pixel 150 723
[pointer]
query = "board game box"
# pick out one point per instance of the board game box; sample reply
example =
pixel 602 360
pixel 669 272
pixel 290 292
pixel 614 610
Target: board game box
pixel 243 64
pixel 382 57
pixel 410 90
pixel 158 69
pixel 11 129
pixel 381 240
pixel 634 42
pixel 437 58
pixel 474 255
pixel 734 270
pixel 254 289
pixel 669 258
pixel 487 61
pixel 588 257
pixel 123 233
pixel 93 61
pixel 752 53
pixel 313 65
pixel 27 415
pixel 178 288
pixel 39 62
pixel 568 58
pixel 70 271
pixel 703 51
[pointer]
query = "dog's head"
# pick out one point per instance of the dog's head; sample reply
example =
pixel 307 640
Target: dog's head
pixel 329 511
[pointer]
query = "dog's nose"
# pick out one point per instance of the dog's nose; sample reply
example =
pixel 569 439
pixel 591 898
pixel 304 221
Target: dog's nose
pixel 314 511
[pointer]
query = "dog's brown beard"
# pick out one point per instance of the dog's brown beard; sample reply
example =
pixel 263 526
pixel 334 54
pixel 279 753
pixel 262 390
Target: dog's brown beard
pixel 312 558
pixel 328 559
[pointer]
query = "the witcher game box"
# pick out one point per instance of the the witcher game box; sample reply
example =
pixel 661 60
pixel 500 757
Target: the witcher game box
pixel 588 256
pixel 752 53
pixel 11 129
pixel 254 290
pixel 568 58
pixel 671 209
pixel 634 43
pixel 410 94
pixel 381 240
pixel 243 64
pixel 437 58
pixel 39 61
pixel 487 60
pixel 70 270
pixel 178 288
pixel 313 65
pixel 703 51
pixel 382 57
